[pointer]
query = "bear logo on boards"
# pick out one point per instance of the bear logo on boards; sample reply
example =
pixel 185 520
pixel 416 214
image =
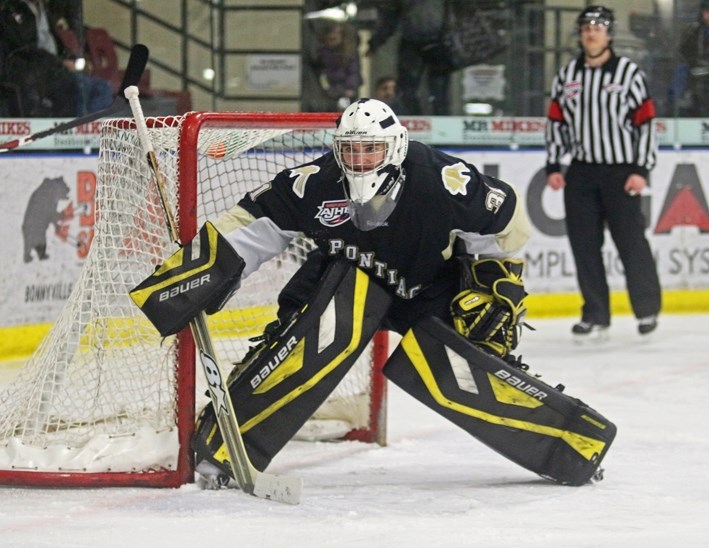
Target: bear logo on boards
pixel 42 211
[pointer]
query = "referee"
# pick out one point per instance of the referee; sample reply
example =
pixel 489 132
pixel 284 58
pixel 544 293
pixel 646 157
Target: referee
pixel 600 113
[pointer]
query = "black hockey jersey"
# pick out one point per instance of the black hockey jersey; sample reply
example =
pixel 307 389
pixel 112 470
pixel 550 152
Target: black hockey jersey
pixel 442 198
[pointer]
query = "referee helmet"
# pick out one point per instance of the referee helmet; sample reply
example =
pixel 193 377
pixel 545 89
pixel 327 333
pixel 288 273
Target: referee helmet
pixel 596 15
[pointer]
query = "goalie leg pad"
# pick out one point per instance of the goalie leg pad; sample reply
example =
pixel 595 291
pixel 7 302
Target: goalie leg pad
pixel 287 381
pixel 529 422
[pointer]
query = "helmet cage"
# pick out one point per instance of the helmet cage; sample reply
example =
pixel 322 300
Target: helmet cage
pixel 363 161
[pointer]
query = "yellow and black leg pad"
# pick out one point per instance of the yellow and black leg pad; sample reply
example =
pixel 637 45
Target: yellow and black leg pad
pixel 287 381
pixel 529 422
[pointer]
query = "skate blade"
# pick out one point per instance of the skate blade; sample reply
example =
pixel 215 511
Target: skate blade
pixel 597 336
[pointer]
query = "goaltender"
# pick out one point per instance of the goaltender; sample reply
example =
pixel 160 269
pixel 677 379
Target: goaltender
pixel 409 239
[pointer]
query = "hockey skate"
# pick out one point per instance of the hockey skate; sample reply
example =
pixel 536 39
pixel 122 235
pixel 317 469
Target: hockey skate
pixel 584 332
pixel 647 325
pixel 211 478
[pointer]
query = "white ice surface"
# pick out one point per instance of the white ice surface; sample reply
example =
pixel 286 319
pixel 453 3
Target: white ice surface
pixel 436 486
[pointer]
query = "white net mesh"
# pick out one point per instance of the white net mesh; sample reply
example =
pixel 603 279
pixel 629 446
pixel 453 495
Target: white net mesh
pixel 99 394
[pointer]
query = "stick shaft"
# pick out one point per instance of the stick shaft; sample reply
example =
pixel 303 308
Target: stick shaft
pixel 250 480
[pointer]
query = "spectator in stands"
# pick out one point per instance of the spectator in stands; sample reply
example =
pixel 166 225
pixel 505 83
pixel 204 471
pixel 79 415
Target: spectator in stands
pixel 68 16
pixel 49 77
pixel 387 92
pixel 336 64
pixel 420 23
pixel 693 72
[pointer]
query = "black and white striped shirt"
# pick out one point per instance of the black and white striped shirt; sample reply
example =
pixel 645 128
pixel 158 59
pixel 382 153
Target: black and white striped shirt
pixel 601 115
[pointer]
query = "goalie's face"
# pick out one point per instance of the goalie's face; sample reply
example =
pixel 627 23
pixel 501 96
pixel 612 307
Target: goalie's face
pixel 362 156
pixel 372 183
pixel 364 161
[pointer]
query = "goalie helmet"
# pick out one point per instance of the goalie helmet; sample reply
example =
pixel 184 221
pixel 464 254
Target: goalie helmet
pixel 370 145
pixel 596 15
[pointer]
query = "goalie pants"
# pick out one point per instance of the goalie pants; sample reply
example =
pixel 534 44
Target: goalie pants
pixel 434 300
pixel 594 197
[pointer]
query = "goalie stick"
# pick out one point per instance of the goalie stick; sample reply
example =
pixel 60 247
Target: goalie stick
pixel 260 484
pixel 134 70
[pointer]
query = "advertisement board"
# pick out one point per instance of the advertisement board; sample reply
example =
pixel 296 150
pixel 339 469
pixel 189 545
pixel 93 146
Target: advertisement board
pixel 275 73
pixel 47 215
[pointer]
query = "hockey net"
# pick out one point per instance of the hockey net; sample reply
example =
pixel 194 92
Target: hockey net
pixel 104 400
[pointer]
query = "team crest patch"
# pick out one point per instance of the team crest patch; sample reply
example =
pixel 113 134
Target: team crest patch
pixel 571 89
pixel 301 175
pixel 333 213
pixel 455 178
pixel 494 199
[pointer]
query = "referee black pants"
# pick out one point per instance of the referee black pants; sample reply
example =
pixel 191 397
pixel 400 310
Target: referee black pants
pixel 594 198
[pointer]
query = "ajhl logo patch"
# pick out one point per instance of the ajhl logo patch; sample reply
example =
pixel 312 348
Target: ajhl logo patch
pixel 333 213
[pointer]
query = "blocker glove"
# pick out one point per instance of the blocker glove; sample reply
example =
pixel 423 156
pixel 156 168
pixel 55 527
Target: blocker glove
pixel 489 309
pixel 200 276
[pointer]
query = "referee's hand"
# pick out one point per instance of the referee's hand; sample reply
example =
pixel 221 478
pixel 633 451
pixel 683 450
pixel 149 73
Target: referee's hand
pixel 635 184
pixel 556 180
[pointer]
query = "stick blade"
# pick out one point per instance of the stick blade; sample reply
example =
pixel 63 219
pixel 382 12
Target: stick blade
pixel 284 489
pixel 136 65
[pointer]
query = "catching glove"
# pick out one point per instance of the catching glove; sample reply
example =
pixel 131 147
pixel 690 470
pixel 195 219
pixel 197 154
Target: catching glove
pixel 489 310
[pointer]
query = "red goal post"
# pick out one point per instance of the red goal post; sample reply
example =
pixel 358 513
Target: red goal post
pixel 104 401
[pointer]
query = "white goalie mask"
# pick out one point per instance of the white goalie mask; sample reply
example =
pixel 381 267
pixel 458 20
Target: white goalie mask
pixel 370 145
